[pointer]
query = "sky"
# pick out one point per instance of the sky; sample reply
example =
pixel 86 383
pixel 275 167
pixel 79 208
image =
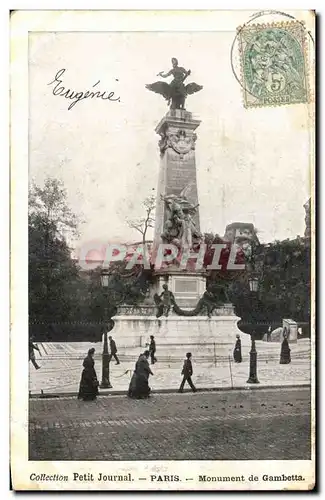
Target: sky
pixel 252 164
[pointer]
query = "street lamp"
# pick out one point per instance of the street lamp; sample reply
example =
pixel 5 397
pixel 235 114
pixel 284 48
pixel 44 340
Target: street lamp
pixel 252 379
pixel 253 284
pixel 105 383
pixel 104 280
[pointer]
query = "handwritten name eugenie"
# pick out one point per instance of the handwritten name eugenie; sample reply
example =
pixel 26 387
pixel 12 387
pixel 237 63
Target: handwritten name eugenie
pixel 59 90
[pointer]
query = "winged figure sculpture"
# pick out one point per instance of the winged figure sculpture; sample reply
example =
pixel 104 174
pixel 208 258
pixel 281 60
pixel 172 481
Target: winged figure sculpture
pixel 175 92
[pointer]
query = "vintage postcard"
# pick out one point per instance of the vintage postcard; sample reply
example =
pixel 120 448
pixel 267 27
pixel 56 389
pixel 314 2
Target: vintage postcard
pixel 162 244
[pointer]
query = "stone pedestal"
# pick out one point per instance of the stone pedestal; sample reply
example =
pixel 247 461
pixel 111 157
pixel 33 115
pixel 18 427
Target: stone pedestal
pixel 178 334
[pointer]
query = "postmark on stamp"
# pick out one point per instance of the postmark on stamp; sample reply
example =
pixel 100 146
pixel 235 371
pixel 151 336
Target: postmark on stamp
pixel 274 67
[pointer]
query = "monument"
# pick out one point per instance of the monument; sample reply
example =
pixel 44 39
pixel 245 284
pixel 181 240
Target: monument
pixel 179 310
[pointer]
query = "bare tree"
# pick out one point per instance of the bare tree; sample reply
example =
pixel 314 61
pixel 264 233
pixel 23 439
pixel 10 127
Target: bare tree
pixel 142 224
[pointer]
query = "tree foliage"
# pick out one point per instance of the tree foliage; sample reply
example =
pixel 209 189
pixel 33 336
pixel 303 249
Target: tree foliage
pixel 49 204
pixel 55 285
pixel 285 283
pixel 283 269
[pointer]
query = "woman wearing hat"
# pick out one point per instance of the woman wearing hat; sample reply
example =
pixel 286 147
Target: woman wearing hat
pixel 88 389
pixel 139 385
pixel 237 350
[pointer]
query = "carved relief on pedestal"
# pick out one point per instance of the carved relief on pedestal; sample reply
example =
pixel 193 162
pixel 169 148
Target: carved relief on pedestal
pixel 136 310
pixel 181 141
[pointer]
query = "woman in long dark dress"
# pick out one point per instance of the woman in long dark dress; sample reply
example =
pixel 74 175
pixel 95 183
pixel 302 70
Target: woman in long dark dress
pixel 237 350
pixel 88 389
pixel 139 385
pixel 285 357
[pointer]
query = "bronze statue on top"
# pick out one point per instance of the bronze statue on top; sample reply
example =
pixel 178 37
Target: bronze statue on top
pixel 175 92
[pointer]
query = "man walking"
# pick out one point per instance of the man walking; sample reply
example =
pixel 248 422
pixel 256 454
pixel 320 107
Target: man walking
pixel 32 358
pixel 152 349
pixel 113 349
pixel 187 373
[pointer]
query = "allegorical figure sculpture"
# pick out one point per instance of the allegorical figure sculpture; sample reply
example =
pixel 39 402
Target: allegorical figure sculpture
pixel 175 92
pixel 179 227
pixel 189 231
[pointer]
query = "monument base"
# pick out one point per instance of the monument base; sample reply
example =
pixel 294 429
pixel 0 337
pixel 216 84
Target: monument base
pixel 179 334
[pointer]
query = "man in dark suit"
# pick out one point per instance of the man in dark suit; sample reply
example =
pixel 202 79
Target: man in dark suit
pixel 187 373
pixel 113 349
pixel 152 349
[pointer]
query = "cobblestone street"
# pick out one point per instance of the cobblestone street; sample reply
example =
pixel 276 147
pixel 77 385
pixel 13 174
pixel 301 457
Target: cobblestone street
pixel 263 424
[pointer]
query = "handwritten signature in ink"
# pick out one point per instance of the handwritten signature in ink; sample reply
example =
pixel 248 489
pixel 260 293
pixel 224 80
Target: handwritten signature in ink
pixel 60 90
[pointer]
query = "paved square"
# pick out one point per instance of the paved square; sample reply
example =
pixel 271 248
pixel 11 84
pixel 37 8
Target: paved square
pixel 61 367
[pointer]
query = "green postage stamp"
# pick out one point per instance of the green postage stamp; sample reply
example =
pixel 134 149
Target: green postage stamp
pixel 274 67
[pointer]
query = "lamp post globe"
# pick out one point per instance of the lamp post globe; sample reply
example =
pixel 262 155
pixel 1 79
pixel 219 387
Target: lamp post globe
pixel 253 284
pixel 104 280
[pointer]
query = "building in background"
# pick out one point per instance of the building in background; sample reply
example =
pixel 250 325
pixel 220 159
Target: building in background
pixel 244 236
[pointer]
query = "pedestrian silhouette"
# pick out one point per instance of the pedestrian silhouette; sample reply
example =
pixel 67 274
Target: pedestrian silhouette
pixel 88 387
pixel 32 358
pixel 237 350
pixel 139 385
pixel 152 349
pixel 187 373
pixel 285 357
pixel 113 349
